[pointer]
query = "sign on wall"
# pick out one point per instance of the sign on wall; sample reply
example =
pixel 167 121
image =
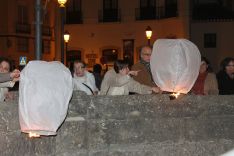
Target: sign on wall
pixel 22 60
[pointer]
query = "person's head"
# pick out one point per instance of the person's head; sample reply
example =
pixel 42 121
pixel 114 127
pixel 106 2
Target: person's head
pixel 121 66
pixel 79 68
pixel 4 65
pixel 205 65
pixel 97 68
pixel 146 52
pixel 227 65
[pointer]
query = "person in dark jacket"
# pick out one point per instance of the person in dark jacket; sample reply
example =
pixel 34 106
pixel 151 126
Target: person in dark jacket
pixel 143 66
pixel 97 70
pixel 225 77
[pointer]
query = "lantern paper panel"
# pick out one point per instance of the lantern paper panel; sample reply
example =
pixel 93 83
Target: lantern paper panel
pixel 175 64
pixel 44 93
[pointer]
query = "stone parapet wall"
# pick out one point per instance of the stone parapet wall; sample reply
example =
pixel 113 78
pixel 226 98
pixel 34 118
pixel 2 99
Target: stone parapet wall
pixel 136 125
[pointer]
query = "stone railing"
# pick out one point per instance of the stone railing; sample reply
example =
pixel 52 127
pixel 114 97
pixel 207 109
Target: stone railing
pixel 136 125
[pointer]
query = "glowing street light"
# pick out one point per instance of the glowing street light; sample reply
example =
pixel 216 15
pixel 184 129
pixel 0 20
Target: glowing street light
pixel 62 3
pixel 148 33
pixel 66 36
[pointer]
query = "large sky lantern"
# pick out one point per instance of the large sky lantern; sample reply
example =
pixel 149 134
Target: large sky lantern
pixel 44 93
pixel 175 65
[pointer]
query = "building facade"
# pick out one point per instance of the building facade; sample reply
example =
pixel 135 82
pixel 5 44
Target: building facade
pixel 17 30
pixel 211 29
pixel 105 30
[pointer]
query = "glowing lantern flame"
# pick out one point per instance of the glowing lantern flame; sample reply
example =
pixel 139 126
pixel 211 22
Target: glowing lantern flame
pixel 174 96
pixel 33 135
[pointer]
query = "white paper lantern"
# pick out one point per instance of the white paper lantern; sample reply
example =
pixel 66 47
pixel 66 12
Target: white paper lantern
pixel 44 93
pixel 175 64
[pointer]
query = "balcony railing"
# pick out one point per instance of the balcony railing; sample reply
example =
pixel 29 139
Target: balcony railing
pixel 151 13
pixel 23 28
pixel 109 15
pixel 46 30
pixel 213 13
pixel 74 17
pixel 171 10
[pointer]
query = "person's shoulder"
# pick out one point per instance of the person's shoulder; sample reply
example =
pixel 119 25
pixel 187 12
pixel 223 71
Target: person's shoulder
pixel 211 76
pixel 220 74
pixel 110 72
pixel 89 74
pixel 137 65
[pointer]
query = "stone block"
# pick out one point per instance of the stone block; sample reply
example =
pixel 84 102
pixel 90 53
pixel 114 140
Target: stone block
pixel 72 137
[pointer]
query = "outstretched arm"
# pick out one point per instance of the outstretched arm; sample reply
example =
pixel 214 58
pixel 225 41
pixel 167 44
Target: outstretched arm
pixel 5 77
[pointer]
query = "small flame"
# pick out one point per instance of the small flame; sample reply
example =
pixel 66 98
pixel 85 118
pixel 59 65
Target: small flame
pixel 33 135
pixel 176 95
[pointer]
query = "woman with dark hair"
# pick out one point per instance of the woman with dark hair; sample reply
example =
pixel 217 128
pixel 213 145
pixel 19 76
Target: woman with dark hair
pixel 206 83
pixel 118 81
pixel 225 77
pixel 4 91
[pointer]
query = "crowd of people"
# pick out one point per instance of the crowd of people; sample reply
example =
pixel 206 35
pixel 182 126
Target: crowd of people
pixel 122 81
pixel 125 80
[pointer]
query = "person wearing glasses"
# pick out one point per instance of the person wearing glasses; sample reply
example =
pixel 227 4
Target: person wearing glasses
pixel 83 80
pixel 225 77
pixel 143 66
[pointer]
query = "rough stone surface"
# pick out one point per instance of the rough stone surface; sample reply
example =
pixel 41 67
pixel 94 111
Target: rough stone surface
pixel 136 125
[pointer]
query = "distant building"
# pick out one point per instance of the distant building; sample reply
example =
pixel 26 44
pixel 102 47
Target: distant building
pixel 212 29
pixel 17 29
pixel 105 30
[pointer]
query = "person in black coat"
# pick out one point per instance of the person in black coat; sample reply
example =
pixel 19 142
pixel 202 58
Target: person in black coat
pixel 97 69
pixel 225 77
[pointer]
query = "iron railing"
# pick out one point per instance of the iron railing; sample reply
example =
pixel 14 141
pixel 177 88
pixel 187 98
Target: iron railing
pixel 23 28
pixel 151 13
pixel 212 13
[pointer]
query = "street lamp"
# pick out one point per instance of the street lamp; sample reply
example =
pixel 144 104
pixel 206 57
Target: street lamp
pixel 148 33
pixel 66 38
pixel 62 6
pixel 62 3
